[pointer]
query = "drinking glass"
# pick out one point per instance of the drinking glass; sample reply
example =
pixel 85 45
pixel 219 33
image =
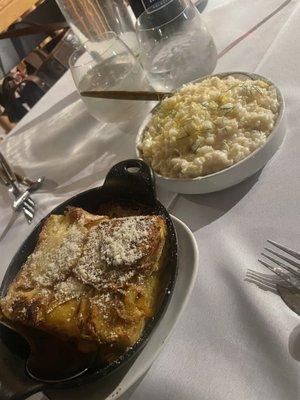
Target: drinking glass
pixel 108 64
pixel 90 18
pixel 175 45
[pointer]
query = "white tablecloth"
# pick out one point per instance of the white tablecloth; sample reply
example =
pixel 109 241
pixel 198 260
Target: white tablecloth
pixel 234 341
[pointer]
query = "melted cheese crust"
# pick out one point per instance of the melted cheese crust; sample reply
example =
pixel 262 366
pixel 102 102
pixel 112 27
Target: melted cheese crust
pixel 91 278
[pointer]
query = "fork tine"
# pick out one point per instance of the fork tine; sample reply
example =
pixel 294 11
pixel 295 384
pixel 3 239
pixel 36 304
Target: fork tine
pixel 282 275
pixel 286 267
pixel 30 200
pixel 261 280
pixel 286 249
pixel 288 260
pixel 28 212
pixel 28 207
pixel 28 215
pixel 268 278
pixel 277 272
pixel 30 204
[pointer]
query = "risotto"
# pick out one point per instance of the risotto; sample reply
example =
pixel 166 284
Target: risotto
pixel 208 126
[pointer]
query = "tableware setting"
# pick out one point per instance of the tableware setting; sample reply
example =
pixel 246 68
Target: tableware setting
pixel 90 299
pixel 105 63
pixel 22 198
pixel 284 263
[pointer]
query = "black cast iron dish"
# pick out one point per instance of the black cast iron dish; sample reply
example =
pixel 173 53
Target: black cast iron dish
pixel 130 180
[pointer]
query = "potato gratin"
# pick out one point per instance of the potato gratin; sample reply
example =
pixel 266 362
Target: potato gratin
pixel 91 278
pixel 208 126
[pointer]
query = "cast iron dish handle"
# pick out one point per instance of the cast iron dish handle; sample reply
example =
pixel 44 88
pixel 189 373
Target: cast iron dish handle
pixel 17 386
pixel 25 390
pixel 132 178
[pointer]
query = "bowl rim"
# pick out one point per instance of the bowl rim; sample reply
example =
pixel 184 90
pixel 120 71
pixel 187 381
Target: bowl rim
pixel 236 165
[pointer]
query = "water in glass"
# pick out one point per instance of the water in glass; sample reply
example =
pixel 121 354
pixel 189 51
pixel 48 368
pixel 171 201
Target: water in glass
pixel 175 45
pixel 109 66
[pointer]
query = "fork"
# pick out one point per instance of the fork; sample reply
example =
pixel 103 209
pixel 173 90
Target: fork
pixel 285 267
pixel 27 205
pixel 22 198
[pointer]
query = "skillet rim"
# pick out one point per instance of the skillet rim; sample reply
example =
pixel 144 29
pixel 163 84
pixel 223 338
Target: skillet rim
pixel 128 355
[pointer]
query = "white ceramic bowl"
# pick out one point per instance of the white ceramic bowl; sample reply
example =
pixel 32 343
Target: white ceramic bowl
pixel 236 173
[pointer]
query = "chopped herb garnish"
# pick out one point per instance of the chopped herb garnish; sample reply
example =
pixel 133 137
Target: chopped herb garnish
pixel 232 87
pixel 258 89
pixel 172 113
pixel 195 150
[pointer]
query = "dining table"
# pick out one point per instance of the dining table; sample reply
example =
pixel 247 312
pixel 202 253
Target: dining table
pixel 236 339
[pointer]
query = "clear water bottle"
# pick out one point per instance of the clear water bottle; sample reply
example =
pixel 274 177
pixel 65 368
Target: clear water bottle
pixel 139 6
pixel 89 19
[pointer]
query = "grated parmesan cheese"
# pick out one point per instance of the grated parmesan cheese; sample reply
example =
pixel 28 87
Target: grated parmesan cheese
pixel 111 248
pixel 47 268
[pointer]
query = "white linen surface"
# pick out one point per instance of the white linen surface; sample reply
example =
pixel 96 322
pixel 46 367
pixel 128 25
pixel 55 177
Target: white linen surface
pixel 234 341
